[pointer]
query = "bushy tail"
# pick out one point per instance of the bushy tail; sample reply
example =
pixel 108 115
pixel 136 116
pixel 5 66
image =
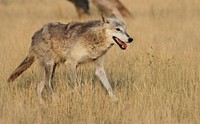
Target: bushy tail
pixel 28 61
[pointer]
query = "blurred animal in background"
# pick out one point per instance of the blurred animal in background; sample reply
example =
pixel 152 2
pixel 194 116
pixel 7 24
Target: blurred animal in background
pixel 122 9
pixel 106 7
pixel 82 7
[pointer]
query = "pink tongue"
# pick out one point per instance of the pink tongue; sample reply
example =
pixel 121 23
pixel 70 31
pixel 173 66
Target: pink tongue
pixel 122 44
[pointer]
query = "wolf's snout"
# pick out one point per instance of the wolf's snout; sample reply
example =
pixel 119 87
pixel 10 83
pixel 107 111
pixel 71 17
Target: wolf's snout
pixel 130 40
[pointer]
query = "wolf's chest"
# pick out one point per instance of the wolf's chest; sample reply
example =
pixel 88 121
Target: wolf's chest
pixel 82 54
pixel 85 55
pixel 98 50
pixel 79 53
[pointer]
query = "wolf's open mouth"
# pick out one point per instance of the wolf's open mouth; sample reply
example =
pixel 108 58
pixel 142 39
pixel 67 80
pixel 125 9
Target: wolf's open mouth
pixel 121 44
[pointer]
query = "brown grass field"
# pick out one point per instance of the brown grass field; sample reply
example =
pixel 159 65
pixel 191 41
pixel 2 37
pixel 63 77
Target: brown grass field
pixel 157 79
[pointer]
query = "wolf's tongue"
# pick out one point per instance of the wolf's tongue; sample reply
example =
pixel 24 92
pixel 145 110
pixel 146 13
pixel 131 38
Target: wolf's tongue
pixel 122 44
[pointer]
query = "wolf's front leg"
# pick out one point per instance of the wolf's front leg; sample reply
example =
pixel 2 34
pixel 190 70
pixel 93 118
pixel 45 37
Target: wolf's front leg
pixel 100 72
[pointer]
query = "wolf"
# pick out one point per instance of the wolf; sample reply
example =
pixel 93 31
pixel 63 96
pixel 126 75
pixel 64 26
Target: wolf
pixel 72 44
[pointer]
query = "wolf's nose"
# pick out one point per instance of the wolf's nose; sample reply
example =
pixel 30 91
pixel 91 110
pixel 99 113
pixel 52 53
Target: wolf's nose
pixel 130 40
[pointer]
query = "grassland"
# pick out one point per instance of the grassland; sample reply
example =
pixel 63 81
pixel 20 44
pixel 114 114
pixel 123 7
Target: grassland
pixel 157 79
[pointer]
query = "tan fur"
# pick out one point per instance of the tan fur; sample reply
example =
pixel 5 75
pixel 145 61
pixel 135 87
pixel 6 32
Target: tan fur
pixel 28 61
pixel 73 43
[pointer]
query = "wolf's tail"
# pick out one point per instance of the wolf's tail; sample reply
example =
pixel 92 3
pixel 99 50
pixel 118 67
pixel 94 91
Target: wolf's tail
pixel 28 61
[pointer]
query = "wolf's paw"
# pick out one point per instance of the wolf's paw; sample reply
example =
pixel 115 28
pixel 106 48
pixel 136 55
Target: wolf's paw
pixel 55 99
pixel 41 102
pixel 114 98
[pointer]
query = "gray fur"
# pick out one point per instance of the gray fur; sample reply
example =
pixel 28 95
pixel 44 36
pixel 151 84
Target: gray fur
pixel 74 43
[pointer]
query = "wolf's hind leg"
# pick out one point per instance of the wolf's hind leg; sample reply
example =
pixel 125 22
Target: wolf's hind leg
pixel 100 72
pixel 49 70
pixel 71 71
pixel 40 87
pixel 54 96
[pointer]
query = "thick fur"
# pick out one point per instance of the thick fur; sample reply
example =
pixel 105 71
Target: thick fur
pixel 28 61
pixel 73 43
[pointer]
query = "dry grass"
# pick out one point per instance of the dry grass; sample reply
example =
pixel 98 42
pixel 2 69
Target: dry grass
pixel 157 78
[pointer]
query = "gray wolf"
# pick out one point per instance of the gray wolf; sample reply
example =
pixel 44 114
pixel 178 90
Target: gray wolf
pixel 72 44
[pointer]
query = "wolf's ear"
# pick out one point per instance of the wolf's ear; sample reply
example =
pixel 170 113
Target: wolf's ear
pixel 104 19
pixel 113 16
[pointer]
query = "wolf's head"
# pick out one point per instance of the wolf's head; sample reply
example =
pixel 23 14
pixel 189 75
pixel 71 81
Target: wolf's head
pixel 116 31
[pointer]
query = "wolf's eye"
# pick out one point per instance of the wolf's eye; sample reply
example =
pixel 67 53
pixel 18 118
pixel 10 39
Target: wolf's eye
pixel 118 29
